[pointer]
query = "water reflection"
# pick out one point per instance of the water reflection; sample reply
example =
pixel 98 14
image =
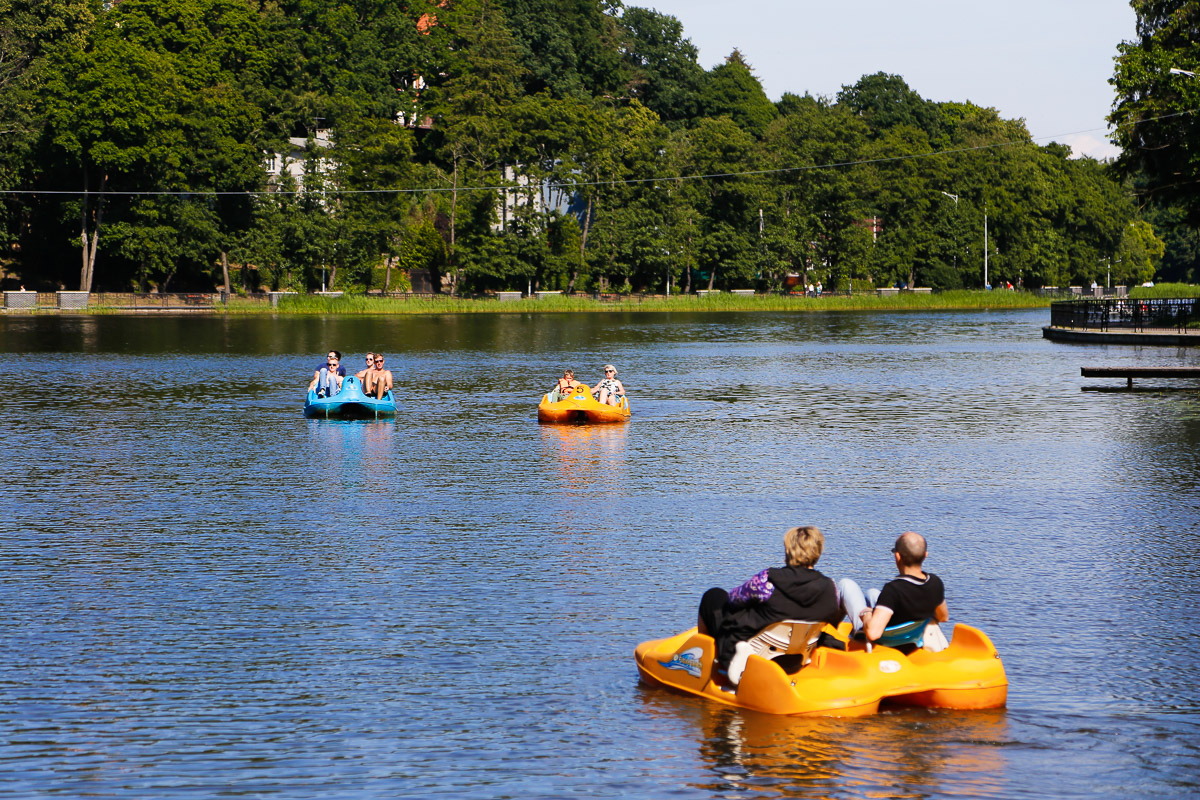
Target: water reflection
pixel 897 753
pixel 587 458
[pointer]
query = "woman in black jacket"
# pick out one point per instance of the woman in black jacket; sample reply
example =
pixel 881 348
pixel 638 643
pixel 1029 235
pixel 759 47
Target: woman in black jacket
pixel 796 591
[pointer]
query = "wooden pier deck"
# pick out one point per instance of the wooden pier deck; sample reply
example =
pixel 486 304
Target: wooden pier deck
pixel 1129 373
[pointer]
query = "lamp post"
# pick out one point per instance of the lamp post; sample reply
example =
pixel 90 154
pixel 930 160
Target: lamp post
pixel 954 197
pixel 1175 71
pixel 985 248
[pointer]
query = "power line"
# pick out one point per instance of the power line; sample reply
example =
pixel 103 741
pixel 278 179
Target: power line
pixel 580 184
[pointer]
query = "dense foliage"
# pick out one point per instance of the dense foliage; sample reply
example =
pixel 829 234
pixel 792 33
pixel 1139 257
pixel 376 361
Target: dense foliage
pixel 503 144
pixel 1157 115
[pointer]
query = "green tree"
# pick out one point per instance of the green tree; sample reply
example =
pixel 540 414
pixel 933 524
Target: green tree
pixel 31 31
pixel 727 201
pixel 1181 254
pixel 1154 116
pixel 884 101
pixel 373 159
pixel 112 113
pixel 818 194
pixel 472 103
pixel 665 74
pixel 731 89
pixel 567 47
pixel 1138 255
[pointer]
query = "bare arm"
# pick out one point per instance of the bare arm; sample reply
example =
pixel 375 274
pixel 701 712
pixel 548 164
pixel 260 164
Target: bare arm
pixel 875 620
pixel 941 613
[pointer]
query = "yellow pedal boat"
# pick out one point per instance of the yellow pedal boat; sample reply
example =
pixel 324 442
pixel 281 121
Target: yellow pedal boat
pixel 966 675
pixel 580 406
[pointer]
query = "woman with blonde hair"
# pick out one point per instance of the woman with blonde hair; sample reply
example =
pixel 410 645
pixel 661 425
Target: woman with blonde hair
pixel 795 591
pixel 608 389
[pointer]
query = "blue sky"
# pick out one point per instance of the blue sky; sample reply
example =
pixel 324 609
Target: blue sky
pixel 1046 61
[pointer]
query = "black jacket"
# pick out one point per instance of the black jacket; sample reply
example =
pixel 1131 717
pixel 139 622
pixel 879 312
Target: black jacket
pixel 799 593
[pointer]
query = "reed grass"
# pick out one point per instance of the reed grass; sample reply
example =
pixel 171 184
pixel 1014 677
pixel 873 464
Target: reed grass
pixel 1160 290
pixel 359 305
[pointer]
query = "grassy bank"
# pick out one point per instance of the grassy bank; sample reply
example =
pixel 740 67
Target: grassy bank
pixel 1164 290
pixel 351 305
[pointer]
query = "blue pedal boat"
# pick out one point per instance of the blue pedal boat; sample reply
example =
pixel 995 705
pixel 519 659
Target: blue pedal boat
pixel 349 403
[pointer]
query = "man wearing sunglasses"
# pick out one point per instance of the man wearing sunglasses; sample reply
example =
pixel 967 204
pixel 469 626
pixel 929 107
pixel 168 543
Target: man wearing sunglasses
pixel 327 378
pixel 378 381
pixel 362 373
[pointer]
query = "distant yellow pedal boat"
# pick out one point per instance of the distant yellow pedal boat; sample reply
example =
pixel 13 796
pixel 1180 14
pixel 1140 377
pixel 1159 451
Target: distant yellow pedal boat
pixel 788 675
pixel 578 406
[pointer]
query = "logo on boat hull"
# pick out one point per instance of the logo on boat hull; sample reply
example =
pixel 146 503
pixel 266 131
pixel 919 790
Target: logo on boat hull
pixel 688 661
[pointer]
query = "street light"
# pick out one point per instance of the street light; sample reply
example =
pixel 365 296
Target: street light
pixel 954 197
pixel 985 239
pixel 985 247
pixel 1175 71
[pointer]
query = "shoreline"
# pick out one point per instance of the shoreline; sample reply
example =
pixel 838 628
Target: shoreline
pixel 359 305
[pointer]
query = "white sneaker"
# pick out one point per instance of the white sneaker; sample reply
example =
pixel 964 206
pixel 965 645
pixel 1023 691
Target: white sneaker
pixel 737 664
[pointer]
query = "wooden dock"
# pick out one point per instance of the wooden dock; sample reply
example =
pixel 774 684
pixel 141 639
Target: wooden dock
pixel 1129 373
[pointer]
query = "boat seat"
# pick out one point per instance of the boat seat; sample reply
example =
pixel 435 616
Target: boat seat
pixel 789 637
pixel 902 635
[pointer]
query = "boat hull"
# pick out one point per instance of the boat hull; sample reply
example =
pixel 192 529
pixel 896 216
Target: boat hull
pixel 966 675
pixel 581 408
pixel 349 403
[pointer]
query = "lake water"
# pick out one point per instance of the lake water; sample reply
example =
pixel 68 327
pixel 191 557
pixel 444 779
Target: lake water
pixel 206 594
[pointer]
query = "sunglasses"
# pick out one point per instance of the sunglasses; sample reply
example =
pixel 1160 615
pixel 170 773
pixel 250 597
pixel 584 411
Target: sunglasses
pixel 379 361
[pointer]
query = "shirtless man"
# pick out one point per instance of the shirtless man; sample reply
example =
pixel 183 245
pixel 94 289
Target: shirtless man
pixel 378 380
pixel 362 373
pixel 911 596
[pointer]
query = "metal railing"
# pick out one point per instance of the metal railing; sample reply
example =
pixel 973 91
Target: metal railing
pixel 1126 313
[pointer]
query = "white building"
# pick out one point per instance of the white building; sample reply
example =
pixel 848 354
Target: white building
pixel 292 163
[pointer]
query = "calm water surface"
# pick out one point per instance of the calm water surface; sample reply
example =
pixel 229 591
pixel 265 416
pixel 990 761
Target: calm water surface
pixel 208 595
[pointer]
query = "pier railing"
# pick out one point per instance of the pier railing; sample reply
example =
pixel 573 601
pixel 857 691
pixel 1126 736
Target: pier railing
pixel 1125 313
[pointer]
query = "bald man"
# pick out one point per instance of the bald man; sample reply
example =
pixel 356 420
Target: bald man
pixel 911 596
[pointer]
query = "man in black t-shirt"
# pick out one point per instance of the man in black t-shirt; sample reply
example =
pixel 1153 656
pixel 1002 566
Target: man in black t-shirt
pixel 911 596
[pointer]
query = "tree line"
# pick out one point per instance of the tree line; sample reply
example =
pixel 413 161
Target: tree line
pixel 505 144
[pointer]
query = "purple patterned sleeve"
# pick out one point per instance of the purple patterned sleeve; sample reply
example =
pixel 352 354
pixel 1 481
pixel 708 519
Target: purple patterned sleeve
pixel 756 590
